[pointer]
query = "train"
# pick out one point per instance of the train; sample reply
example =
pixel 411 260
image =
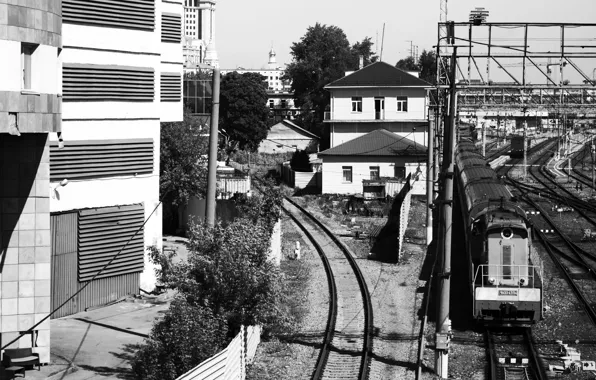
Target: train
pixel 517 146
pixel 505 272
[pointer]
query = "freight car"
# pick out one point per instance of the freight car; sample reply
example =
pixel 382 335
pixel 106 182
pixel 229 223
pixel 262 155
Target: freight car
pixel 517 146
pixel 505 276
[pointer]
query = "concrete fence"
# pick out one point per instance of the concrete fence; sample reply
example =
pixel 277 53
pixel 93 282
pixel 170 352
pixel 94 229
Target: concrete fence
pixel 228 186
pixel 229 364
pixel 300 179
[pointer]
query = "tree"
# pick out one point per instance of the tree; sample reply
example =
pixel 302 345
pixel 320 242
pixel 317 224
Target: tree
pixel 300 161
pixel 407 64
pixel 185 337
pixel 183 165
pixel 321 56
pixel 428 66
pixel 243 110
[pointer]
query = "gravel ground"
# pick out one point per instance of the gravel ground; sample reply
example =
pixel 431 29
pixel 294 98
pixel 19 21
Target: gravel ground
pixel 397 296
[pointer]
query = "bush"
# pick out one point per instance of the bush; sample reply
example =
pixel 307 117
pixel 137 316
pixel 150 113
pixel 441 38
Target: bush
pixel 185 337
pixel 300 161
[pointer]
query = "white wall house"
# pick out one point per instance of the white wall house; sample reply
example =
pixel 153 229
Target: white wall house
pixel 374 97
pixel 379 155
pixel 121 77
pixel 286 136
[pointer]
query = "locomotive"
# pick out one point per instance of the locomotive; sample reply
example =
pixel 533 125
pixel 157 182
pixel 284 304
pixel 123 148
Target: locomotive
pixel 505 272
pixel 517 146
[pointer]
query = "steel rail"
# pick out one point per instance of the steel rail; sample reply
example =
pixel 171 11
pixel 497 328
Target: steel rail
pixel 368 310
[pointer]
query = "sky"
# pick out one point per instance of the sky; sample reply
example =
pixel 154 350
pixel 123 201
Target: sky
pixel 246 30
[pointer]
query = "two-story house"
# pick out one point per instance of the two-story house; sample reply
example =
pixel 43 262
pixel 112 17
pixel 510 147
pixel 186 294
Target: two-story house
pixel 378 132
pixel 378 96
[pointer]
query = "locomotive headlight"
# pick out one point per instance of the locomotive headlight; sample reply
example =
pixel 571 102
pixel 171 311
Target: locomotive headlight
pixel 492 281
pixel 507 233
pixel 522 281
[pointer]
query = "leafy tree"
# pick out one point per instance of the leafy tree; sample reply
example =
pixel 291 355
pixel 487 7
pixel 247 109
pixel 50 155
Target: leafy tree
pixel 185 337
pixel 264 208
pixel 300 161
pixel 243 110
pixel 407 64
pixel 321 56
pixel 228 271
pixel 428 66
pixel 183 165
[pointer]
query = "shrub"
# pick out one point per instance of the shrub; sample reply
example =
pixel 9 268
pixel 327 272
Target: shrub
pixel 300 161
pixel 185 337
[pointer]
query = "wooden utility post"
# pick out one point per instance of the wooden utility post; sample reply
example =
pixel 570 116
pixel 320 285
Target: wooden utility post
pixel 213 135
pixel 484 138
pixel 443 327
pixel 593 151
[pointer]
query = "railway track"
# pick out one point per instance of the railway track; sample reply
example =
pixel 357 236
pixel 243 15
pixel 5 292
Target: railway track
pixel 512 355
pixel 345 352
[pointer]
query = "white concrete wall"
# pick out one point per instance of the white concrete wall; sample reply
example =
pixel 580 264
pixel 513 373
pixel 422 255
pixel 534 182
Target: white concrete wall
pixel 171 61
pixel 344 132
pixel 341 104
pixel 333 182
pixel 45 65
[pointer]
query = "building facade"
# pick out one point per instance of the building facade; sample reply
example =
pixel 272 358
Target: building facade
pixel 199 34
pixel 378 96
pixel 30 108
pixel 121 77
pixel 286 136
pixel 373 164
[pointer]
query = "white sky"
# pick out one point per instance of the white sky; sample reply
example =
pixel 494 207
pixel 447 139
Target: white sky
pixel 245 30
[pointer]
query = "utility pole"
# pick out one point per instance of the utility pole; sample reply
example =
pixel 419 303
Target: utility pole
pixel 484 138
pixel 525 148
pixel 430 181
pixel 213 135
pixel 443 327
pixel 593 168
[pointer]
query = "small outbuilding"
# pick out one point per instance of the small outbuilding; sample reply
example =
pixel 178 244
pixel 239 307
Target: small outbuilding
pixel 379 158
pixel 287 136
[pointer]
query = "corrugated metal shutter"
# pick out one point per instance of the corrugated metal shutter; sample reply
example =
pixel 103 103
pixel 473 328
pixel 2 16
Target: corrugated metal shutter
pixel 101 158
pixel 63 227
pixel 171 28
pixel 85 82
pixel 171 84
pixel 129 14
pixel 103 232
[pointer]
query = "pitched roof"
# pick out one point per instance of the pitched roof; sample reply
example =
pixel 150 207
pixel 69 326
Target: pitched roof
pixel 379 74
pixel 379 142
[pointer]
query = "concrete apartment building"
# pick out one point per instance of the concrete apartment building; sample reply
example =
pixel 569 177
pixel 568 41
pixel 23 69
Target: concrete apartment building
pixel 84 86
pixel 30 108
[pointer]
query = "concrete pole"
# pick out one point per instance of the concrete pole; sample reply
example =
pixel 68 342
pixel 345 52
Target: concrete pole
pixel 593 151
pixel 430 181
pixel 484 138
pixel 213 135
pixel 525 147
pixel 443 327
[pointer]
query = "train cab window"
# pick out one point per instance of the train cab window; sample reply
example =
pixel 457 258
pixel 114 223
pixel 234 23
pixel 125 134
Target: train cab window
pixel 507 261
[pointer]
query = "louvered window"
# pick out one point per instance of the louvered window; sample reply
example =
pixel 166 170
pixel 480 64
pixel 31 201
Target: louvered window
pixel 106 232
pixel 82 82
pixel 100 158
pixel 129 14
pixel 171 84
pixel 171 28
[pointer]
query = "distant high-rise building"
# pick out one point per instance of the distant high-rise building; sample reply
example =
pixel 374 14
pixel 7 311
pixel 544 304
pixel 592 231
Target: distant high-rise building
pixel 199 33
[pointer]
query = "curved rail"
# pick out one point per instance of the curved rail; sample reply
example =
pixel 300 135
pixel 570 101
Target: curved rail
pixel 368 311
pixel 332 317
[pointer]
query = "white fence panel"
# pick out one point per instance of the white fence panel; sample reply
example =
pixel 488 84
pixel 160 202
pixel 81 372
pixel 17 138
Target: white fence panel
pixel 229 364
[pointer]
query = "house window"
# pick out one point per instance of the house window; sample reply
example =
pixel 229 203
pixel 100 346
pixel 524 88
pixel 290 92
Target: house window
pixel 270 104
pixel 26 55
pixel 283 103
pixel 356 103
pixel 399 172
pixel 347 173
pixel 402 104
pixel 374 172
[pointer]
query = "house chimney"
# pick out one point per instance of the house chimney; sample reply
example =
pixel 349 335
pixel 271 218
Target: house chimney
pixel 360 62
